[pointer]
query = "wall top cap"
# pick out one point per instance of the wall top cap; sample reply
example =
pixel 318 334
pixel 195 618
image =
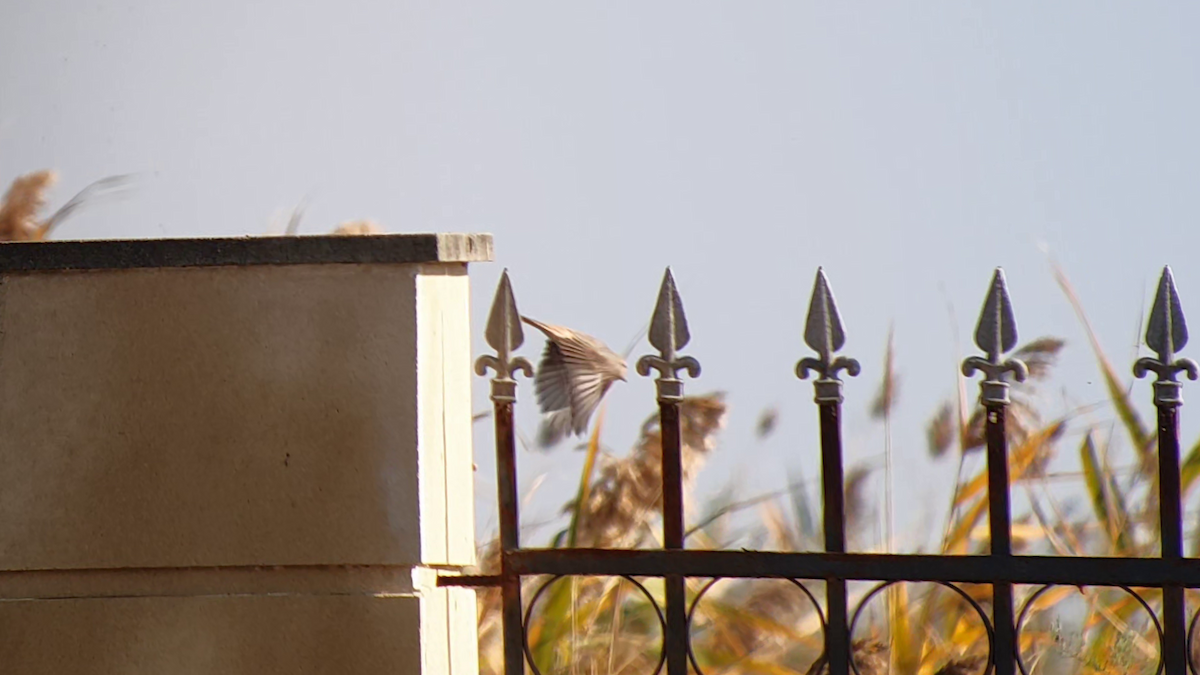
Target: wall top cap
pixel 115 254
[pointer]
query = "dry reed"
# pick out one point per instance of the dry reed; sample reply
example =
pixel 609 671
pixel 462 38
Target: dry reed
pixel 27 197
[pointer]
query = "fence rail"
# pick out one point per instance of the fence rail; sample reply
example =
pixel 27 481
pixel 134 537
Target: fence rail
pixel 996 336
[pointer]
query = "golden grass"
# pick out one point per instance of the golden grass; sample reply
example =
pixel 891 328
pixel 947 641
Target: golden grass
pixel 22 205
pixel 358 227
pixel 26 198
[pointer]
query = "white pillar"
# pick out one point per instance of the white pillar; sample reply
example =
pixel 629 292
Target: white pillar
pixel 236 456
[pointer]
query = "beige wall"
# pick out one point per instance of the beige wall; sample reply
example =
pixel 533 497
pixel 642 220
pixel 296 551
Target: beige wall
pixel 235 469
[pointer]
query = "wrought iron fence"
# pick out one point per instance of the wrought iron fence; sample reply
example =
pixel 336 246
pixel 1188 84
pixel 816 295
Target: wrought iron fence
pixel 996 336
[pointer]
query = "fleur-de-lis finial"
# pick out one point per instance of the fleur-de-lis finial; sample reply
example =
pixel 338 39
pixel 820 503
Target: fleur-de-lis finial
pixel 996 334
pixel 668 334
pixel 823 332
pixel 1166 334
pixel 504 334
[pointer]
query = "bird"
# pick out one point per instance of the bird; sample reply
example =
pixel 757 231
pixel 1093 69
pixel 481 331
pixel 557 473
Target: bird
pixel 574 374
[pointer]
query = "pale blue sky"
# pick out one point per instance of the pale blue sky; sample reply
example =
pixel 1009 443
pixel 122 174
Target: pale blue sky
pixel 906 149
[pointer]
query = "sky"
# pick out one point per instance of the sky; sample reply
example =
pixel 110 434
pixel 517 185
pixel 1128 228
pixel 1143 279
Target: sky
pixel 907 150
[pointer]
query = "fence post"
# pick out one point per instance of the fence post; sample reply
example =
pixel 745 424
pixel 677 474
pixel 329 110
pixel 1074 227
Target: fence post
pixel 823 333
pixel 668 334
pixel 237 455
pixel 1166 333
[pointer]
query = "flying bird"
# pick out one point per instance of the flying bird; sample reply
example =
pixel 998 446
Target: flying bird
pixel 573 376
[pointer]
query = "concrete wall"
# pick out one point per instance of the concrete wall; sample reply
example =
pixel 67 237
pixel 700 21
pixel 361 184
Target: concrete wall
pixel 236 469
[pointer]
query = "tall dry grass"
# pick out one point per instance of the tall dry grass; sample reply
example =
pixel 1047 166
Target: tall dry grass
pixel 608 626
pixel 22 205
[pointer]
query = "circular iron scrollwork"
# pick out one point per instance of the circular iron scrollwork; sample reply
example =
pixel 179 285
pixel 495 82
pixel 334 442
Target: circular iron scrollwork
pixel 712 582
pixel 662 622
pixel 1190 644
pixel 1024 613
pixel 987 624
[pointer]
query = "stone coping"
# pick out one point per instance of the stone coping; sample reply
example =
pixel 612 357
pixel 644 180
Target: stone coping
pixel 239 251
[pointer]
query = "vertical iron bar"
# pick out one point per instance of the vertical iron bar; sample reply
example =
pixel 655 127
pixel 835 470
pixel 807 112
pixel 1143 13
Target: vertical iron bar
pixel 672 473
pixel 669 333
pixel 1166 334
pixel 996 335
pixel 1000 527
pixel 510 540
pixel 676 639
pixel 837 638
pixel 503 333
pixel 824 333
pixel 1170 509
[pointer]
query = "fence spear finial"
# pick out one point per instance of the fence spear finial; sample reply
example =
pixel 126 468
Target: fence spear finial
pixel 1166 334
pixel 668 325
pixel 823 332
pixel 503 333
pixel 823 329
pixel 668 334
pixel 996 334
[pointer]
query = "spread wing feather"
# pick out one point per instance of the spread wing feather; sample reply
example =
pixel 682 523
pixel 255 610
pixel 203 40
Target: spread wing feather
pixel 570 381
pixel 586 394
pixel 553 381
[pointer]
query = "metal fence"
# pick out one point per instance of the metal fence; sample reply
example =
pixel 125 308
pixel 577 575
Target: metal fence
pixel 996 335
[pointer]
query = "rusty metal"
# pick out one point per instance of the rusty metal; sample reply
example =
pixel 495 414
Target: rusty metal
pixel 669 333
pixel 966 569
pixel 504 334
pixel 676 637
pixel 510 582
pixel 469 580
pixel 996 335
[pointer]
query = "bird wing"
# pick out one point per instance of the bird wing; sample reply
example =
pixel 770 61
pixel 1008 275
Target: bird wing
pixel 571 374
pixel 553 380
pixel 550 331
pixel 587 393
pixel 588 380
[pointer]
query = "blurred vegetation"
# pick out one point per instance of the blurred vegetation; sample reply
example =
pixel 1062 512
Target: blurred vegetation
pixel 22 204
pixel 608 625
